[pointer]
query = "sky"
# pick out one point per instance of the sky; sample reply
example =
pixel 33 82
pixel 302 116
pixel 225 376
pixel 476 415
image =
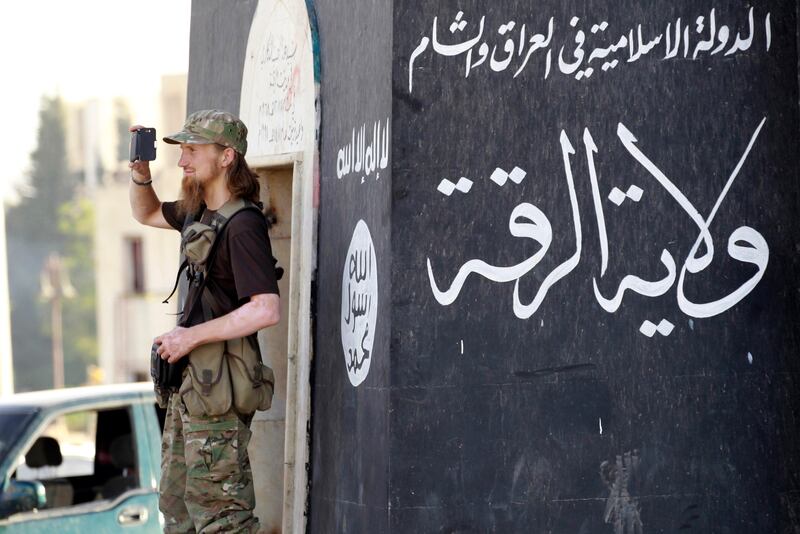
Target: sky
pixel 82 49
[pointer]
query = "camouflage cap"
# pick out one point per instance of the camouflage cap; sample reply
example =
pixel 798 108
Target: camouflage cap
pixel 212 126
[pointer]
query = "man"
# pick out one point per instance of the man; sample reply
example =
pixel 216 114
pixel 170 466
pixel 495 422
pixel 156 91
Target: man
pixel 206 481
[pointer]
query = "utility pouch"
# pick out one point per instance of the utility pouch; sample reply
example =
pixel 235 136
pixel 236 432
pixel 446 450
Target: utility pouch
pixel 206 388
pixel 225 375
pixel 197 240
pixel 253 382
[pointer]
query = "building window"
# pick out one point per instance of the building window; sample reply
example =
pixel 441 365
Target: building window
pixel 135 265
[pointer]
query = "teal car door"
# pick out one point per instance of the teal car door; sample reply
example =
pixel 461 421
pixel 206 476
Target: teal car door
pixel 99 468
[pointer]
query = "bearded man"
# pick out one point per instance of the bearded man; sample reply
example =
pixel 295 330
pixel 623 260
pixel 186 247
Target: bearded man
pixel 206 481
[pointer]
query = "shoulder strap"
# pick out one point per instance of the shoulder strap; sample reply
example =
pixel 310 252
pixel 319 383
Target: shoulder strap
pixel 224 214
pixel 187 221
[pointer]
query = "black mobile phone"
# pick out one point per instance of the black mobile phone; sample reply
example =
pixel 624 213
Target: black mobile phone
pixel 143 144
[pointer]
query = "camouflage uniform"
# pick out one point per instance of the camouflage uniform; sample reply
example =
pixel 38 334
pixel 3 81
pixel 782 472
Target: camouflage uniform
pixel 206 480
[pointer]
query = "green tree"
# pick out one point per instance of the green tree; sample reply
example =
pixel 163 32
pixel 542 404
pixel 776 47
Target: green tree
pixel 47 220
pixel 50 182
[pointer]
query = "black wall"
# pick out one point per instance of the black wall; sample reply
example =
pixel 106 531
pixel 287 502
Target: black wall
pixel 569 419
pixel 350 441
pixel 566 419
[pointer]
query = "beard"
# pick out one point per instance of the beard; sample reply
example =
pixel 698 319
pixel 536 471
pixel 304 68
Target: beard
pixel 191 196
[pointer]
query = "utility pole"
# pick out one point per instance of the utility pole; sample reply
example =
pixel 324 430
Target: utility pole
pixel 55 288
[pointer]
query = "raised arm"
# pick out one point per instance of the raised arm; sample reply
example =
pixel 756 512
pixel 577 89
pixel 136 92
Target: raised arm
pixel 145 205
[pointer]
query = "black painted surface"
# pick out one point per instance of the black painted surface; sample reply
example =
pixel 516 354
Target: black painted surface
pixel 350 441
pixel 218 43
pixel 506 437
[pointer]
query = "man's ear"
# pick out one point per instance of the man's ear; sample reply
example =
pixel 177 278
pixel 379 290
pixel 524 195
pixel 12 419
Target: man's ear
pixel 228 156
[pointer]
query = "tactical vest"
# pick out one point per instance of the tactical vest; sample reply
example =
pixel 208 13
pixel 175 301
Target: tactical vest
pixel 223 375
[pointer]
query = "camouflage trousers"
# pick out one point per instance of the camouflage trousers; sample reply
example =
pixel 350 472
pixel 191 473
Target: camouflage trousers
pixel 206 481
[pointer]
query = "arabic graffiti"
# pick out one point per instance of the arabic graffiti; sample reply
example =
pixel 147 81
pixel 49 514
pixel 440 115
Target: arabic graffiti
pixel 745 244
pixel 680 38
pixel 359 304
pixel 362 156
pixel 277 115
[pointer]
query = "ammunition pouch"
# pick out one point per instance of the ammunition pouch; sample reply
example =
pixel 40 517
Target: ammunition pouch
pixel 227 375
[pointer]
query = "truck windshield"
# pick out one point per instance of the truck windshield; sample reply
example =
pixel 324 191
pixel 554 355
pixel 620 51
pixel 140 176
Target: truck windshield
pixel 12 425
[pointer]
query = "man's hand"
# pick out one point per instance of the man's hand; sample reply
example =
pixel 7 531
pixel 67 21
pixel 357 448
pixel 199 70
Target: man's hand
pixel 140 170
pixel 145 205
pixel 175 344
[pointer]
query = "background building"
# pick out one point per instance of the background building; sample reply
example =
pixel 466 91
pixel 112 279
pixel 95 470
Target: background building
pixel 56 159
pixel 135 265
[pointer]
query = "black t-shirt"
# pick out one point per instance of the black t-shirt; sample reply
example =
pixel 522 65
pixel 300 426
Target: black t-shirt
pixel 242 266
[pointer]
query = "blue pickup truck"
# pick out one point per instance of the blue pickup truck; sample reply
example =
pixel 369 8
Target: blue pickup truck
pixel 83 460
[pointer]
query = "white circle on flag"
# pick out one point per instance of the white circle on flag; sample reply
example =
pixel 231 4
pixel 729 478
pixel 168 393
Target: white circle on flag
pixel 359 304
